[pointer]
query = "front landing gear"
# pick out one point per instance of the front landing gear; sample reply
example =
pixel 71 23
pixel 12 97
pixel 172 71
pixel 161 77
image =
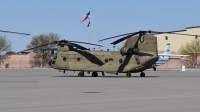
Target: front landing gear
pixel 128 74
pixel 81 74
pixel 142 74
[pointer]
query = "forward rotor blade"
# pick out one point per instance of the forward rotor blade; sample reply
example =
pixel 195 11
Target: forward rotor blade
pixel 36 47
pixel 79 46
pixel 64 41
pixel 117 36
pixel 86 43
pixel 33 48
pixel 124 38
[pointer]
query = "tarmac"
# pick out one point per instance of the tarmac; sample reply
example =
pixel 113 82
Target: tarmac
pixel 48 90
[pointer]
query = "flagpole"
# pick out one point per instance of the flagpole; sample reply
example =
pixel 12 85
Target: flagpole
pixel 90 27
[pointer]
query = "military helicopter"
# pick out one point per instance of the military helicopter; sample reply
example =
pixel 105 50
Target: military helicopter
pixel 138 54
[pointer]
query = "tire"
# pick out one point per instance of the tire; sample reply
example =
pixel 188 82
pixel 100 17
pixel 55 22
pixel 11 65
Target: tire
pixel 94 74
pixel 128 74
pixel 142 74
pixel 81 74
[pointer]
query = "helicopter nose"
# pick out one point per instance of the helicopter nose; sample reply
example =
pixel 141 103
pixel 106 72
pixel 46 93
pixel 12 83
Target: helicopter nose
pixel 50 62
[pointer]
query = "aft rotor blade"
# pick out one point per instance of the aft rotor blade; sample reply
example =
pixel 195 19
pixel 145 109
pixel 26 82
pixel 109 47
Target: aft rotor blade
pixel 124 38
pixel 14 32
pixel 117 36
pixel 155 32
pixel 79 46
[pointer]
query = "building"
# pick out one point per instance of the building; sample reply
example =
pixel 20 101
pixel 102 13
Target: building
pixel 177 40
pixel 21 61
pixel 17 61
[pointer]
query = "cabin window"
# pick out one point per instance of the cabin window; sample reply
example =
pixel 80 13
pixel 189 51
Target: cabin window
pixel 78 59
pixel 120 60
pixel 64 58
pixel 106 60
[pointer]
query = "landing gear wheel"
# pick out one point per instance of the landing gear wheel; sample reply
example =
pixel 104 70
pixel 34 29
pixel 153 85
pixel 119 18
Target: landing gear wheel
pixel 94 74
pixel 103 74
pixel 128 74
pixel 154 68
pixel 81 74
pixel 142 74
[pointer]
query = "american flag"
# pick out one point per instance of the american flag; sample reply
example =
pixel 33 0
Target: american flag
pixel 87 16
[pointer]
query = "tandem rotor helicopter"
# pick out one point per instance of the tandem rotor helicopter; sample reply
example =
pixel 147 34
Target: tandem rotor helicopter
pixel 138 54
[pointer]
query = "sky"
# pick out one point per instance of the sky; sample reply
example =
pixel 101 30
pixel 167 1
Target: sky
pixel 108 18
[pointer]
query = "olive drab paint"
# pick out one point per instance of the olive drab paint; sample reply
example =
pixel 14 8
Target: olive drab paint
pixel 138 54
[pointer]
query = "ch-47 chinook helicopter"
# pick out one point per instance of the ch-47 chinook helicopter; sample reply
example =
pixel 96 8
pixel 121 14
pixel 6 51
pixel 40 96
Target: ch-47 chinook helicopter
pixel 138 54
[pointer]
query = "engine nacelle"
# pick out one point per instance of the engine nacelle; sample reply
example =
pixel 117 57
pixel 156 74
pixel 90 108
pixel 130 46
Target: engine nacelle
pixel 65 47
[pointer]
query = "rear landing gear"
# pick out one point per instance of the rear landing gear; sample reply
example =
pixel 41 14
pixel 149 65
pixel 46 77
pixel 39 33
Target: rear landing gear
pixel 128 74
pixel 94 74
pixel 81 74
pixel 103 74
pixel 142 74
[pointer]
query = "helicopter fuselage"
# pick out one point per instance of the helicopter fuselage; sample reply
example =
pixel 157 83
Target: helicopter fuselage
pixel 138 54
pixel 102 61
